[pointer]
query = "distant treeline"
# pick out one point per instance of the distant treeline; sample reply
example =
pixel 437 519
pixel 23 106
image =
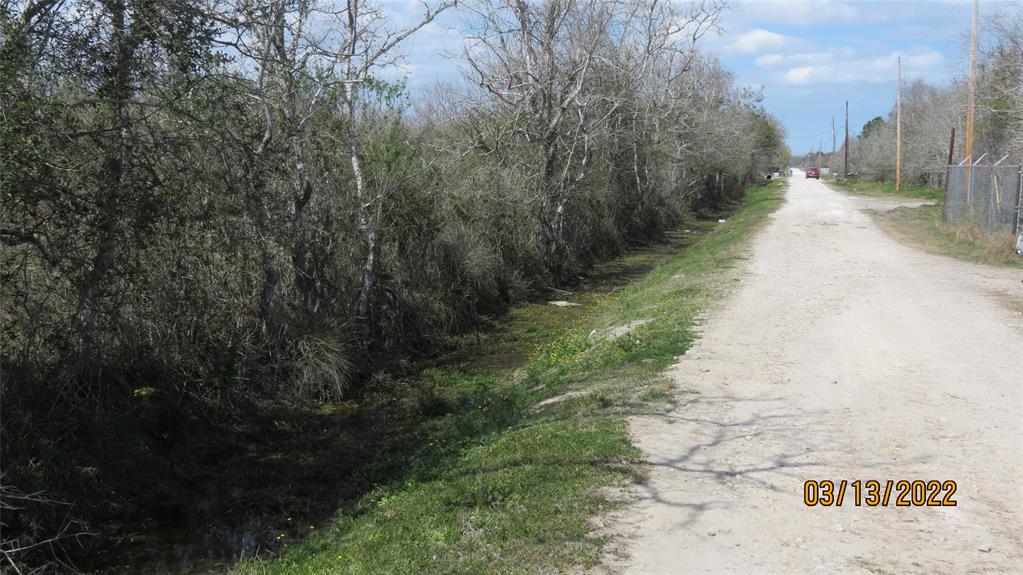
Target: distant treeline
pixel 216 204
pixel 930 111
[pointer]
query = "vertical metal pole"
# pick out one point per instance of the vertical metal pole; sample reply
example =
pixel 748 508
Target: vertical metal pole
pixel 951 150
pixel 1019 202
pixel 846 167
pixel 967 176
pixel 948 170
pixel 991 197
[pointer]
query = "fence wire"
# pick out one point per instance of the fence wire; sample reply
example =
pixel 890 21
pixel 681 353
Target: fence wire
pixel 985 196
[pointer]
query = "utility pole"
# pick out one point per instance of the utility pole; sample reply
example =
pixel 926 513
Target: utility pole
pixel 833 134
pixel 845 169
pixel 898 130
pixel 971 90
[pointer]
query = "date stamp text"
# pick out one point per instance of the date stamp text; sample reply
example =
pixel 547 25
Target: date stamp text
pixel 885 493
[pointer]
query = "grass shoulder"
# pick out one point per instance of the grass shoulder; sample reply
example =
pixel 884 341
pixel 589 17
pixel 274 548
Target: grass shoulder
pixel 924 228
pixel 886 189
pixel 511 462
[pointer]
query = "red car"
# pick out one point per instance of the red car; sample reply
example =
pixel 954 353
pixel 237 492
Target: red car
pixel 813 173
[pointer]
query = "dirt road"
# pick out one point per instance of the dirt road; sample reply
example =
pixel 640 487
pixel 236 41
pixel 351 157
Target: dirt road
pixel 842 355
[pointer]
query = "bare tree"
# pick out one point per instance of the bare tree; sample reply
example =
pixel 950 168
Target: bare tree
pixel 367 46
pixel 534 59
pixel 1001 83
pixel 302 55
pixel 654 48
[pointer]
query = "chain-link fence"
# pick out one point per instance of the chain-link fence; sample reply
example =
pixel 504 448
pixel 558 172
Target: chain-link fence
pixel 986 196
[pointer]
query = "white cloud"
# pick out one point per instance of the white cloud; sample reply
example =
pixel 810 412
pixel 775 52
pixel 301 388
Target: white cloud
pixel 925 61
pixel 800 58
pixel 798 12
pixel 768 60
pixel 818 12
pixel 424 57
pixel 758 40
pixel 802 74
pixel 866 69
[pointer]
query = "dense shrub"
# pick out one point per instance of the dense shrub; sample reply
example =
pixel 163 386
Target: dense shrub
pixel 191 231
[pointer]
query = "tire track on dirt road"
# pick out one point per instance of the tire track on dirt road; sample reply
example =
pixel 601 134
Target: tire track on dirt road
pixel 841 355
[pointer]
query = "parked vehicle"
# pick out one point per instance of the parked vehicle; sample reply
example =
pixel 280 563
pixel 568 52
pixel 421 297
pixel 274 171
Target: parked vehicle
pixel 813 173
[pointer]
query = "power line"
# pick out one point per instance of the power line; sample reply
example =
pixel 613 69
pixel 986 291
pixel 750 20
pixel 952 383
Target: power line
pixel 942 20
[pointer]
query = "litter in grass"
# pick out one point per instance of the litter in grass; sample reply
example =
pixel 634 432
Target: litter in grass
pixel 558 398
pixel 613 333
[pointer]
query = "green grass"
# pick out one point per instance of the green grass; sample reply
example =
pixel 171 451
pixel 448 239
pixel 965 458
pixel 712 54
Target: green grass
pixel 924 228
pixel 872 188
pixel 503 484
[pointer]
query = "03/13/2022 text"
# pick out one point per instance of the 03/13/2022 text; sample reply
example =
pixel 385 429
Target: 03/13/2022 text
pixel 884 493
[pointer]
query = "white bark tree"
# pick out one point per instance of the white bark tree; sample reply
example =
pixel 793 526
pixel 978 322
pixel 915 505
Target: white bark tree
pixel 534 60
pixel 302 55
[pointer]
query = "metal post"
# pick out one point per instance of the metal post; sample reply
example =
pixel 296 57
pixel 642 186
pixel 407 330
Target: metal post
pixel 992 205
pixel 969 182
pixel 1019 202
pixel 845 168
pixel 967 175
pixel 948 170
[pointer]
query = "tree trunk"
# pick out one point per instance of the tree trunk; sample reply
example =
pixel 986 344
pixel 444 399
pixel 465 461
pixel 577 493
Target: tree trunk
pixel 116 90
pixel 362 203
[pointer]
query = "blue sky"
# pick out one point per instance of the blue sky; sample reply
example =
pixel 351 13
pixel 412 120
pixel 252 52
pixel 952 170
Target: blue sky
pixel 808 56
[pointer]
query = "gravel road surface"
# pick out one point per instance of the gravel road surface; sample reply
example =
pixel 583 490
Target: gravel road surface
pixel 841 355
